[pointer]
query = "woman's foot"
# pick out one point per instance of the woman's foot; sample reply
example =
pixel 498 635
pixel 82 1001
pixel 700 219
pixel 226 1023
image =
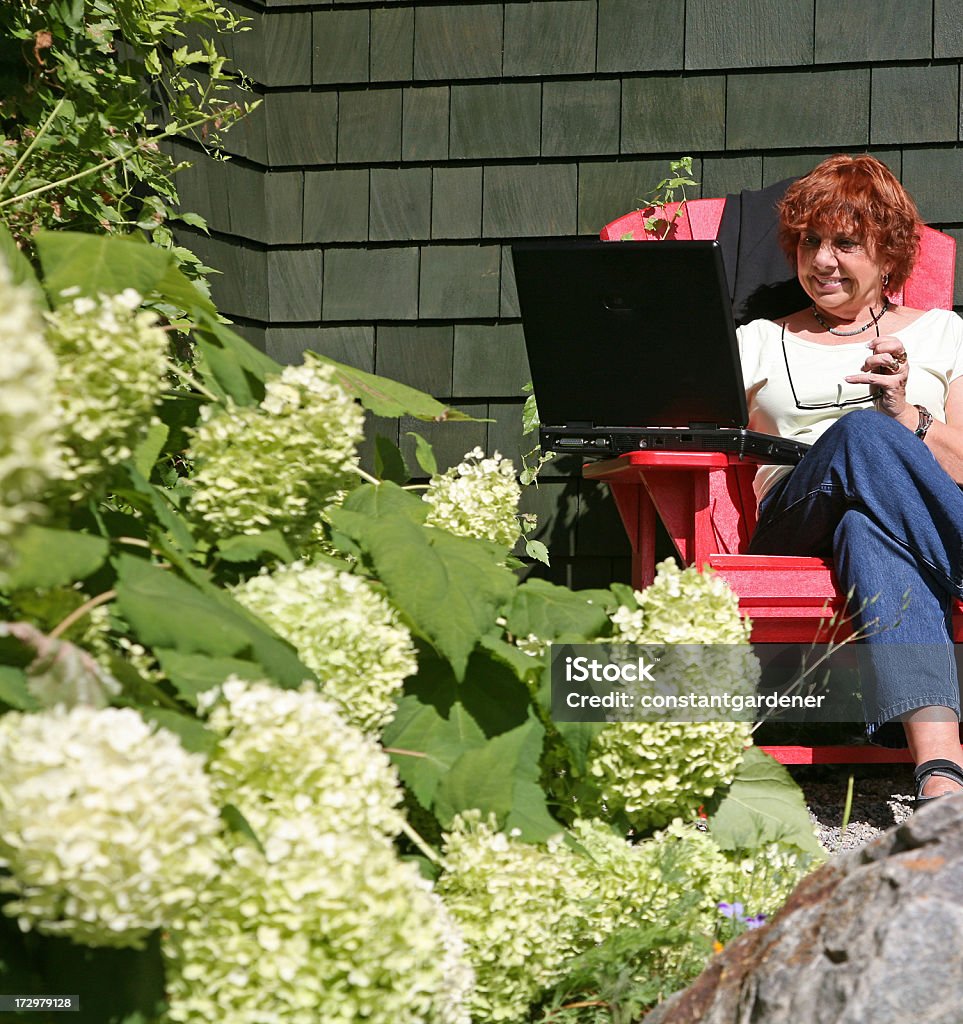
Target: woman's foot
pixel 933 735
pixel 935 778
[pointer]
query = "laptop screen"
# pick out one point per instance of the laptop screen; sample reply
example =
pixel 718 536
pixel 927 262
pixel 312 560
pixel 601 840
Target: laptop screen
pixel 629 334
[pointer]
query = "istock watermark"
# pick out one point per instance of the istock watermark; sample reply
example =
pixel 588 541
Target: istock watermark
pixel 717 682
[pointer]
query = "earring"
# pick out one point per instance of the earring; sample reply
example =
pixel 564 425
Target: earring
pixel 885 280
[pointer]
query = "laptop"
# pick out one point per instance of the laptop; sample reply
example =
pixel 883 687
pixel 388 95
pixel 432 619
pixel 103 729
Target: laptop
pixel 633 346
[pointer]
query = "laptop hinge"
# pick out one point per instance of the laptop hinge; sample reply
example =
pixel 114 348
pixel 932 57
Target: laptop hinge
pixel 703 426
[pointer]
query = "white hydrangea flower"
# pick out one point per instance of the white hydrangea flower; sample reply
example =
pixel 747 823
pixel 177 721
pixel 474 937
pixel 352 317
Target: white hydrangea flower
pixel 326 926
pixel 289 753
pixel 107 826
pixel 112 371
pixel 322 921
pixel 344 631
pixel 477 498
pixel 521 909
pixel 29 449
pixel 279 463
pixel 652 770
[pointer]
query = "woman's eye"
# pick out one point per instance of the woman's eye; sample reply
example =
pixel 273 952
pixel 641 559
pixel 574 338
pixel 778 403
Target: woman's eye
pixel 847 245
pixel 811 241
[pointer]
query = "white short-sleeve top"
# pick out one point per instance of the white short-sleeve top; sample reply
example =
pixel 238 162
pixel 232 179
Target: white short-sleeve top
pixel 934 346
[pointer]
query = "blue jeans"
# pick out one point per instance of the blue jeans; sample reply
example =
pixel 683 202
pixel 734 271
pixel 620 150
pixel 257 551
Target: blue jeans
pixel 871 496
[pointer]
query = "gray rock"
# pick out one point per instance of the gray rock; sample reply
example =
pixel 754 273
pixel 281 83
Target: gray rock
pixel 874 935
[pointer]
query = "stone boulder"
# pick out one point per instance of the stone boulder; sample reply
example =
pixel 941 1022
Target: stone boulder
pixel 875 935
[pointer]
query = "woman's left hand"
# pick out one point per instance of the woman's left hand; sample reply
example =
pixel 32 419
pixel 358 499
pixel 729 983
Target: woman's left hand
pixel 886 371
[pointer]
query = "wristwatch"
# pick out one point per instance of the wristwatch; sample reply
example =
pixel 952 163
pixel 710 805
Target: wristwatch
pixel 926 421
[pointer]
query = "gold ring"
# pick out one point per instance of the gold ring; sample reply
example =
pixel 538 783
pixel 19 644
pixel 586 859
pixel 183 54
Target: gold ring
pixel 899 358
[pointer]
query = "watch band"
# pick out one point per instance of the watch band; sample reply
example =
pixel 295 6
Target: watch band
pixel 926 421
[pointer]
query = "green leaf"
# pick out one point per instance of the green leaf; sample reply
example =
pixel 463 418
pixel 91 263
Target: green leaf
pixel 150 447
pixel 549 612
pixel 21 272
pixel 98 264
pixel 13 689
pixel 422 729
pixel 386 397
pixel 240 826
pixel 530 419
pixel 389 462
pixel 578 738
pixel 424 454
pixel 167 611
pixel 524 666
pixel 192 734
pixel 48 558
pixel 230 365
pixel 385 500
pixel 762 805
pixel 501 778
pixel 191 674
pixel 537 550
pixel 156 503
pixel 180 291
pixel 253 547
pixel 449 588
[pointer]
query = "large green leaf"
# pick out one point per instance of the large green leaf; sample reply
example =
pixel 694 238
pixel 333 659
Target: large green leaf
pixel 762 805
pixel 13 689
pixel 450 589
pixel 149 448
pixel 386 397
pixel 178 289
pixel 191 732
pixel 549 612
pixel 99 264
pixel 169 612
pixel 108 264
pixel 386 499
pixel 21 272
pixel 191 674
pixel 249 547
pixel 578 738
pixel 46 557
pixel 389 462
pixel 156 503
pixel 230 365
pixel 501 778
pixel 428 743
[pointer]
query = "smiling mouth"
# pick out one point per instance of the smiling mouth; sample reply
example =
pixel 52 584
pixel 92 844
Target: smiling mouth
pixel 829 282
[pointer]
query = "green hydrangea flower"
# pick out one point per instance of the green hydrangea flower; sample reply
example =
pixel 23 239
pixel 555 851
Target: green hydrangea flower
pixel 277 464
pixel 289 753
pixel 29 449
pixel 653 771
pixel 321 927
pixel 477 498
pixel 112 371
pixel 321 920
pixel 521 909
pixel 344 630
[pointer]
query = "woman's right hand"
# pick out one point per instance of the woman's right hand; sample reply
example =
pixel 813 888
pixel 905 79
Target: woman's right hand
pixel 886 371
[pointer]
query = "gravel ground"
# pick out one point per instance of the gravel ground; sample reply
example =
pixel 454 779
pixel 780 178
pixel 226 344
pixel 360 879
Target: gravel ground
pixel 882 797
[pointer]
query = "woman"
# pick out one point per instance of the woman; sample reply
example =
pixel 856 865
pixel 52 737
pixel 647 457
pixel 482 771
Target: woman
pixel 878 388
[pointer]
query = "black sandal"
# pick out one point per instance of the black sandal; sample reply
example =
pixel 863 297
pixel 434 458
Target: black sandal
pixel 938 766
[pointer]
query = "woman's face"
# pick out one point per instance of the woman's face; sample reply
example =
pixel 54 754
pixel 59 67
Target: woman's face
pixel 839 272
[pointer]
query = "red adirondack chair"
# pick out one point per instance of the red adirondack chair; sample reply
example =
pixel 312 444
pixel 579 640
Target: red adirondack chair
pixel 707 505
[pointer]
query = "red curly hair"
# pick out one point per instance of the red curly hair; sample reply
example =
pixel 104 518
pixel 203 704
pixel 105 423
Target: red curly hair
pixel 860 196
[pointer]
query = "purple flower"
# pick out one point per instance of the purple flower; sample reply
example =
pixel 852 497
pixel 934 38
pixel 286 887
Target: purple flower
pixel 754 922
pixel 733 910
